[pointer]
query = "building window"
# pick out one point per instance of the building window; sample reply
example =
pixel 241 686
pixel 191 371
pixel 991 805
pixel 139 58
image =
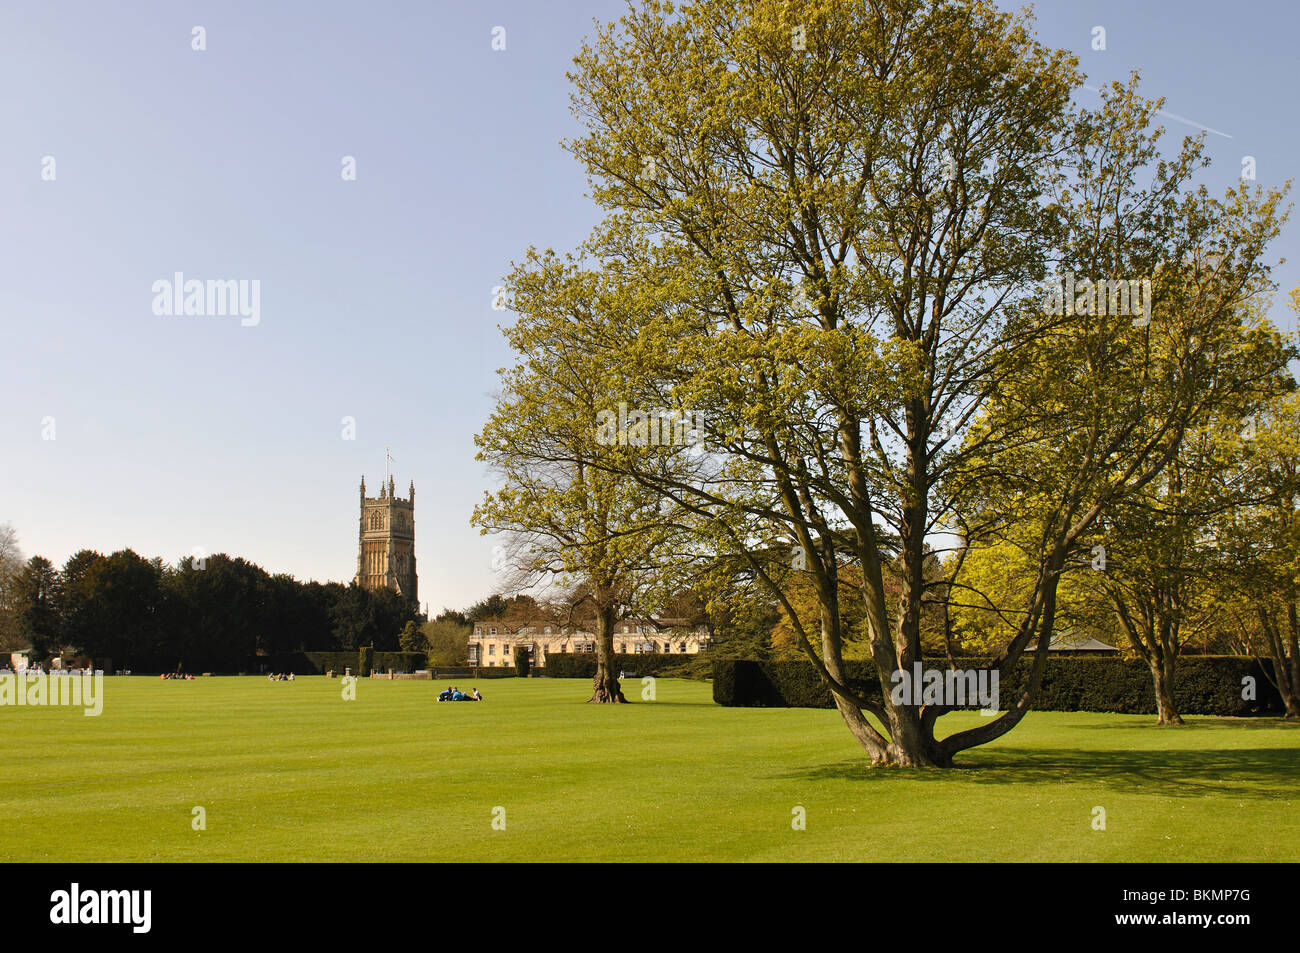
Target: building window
pixel 548 630
pixel 492 631
pixel 622 648
pixel 492 648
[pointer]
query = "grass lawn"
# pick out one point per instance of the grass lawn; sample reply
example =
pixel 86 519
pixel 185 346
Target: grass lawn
pixel 290 771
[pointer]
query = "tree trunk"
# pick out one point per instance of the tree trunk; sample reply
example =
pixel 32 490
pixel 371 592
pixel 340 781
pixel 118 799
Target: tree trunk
pixel 911 745
pixel 1291 663
pixel 605 688
pixel 1286 670
pixel 1163 673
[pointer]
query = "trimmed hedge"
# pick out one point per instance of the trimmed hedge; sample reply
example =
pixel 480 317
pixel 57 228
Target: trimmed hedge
pixel 469 671
pixel 583 664
pixel 318 663
pixel 522 663
pixel 1203 685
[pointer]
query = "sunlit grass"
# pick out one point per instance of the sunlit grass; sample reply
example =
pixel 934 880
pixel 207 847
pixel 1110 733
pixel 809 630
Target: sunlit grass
pixel 290 771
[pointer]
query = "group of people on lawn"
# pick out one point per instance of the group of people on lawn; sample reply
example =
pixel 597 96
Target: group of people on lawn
pixel 454 694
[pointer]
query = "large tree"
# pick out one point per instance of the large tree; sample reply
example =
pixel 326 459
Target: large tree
pixel 557 439
pixel 114 607
pixel 446 641
pixel 1260 585
pixel 1158 561
pixel 37 604
pixel 11 567
pixel 830 223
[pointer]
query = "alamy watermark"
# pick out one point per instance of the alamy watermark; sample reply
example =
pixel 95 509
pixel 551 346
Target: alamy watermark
pixel 649 428
pixel 77 906
pixel 948 687
pixel 1113 296
pixel 178 296
pixel 41 689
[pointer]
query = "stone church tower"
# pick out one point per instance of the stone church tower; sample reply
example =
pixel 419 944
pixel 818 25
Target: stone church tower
pixel 386 542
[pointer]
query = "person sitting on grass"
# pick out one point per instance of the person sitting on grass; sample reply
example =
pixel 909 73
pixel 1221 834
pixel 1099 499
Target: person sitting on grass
pixel 477 696
pixel 445 695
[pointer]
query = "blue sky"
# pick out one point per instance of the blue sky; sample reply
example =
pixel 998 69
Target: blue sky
pixel 177 433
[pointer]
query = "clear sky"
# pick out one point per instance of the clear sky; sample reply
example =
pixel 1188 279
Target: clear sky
pixel 176 433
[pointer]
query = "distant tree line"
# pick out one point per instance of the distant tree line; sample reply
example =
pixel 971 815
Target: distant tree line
pixel 212 614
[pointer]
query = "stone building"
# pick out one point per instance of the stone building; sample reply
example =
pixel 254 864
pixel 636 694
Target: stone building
pixel 386 541
pixel 493 643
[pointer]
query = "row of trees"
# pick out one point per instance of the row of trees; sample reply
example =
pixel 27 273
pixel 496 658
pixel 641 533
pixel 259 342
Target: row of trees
pixel 1205 558
pixel 206 614
pixel 829 233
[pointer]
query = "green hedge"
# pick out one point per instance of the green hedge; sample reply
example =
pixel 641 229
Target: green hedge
pixel 453 672
pixel 318 663
pixel 1203 685
pixel 522 664
pixel 404 663
pixel 583 664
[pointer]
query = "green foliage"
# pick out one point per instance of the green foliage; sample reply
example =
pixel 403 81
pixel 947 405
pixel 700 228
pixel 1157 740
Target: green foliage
pixel 411 638
pixel 201 615
pixel 365 660
pixel 11 568
pixel 838 263
pixel 318 663
pixel 1207 685
pixel 583 665
pixel 448 641
pixel 36 604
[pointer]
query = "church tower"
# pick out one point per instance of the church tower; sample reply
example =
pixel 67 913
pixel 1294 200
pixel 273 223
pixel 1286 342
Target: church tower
pixel 386 541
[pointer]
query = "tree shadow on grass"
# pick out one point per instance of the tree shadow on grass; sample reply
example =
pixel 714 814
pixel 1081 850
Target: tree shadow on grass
pixel 1253 773
pixel 1197 722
